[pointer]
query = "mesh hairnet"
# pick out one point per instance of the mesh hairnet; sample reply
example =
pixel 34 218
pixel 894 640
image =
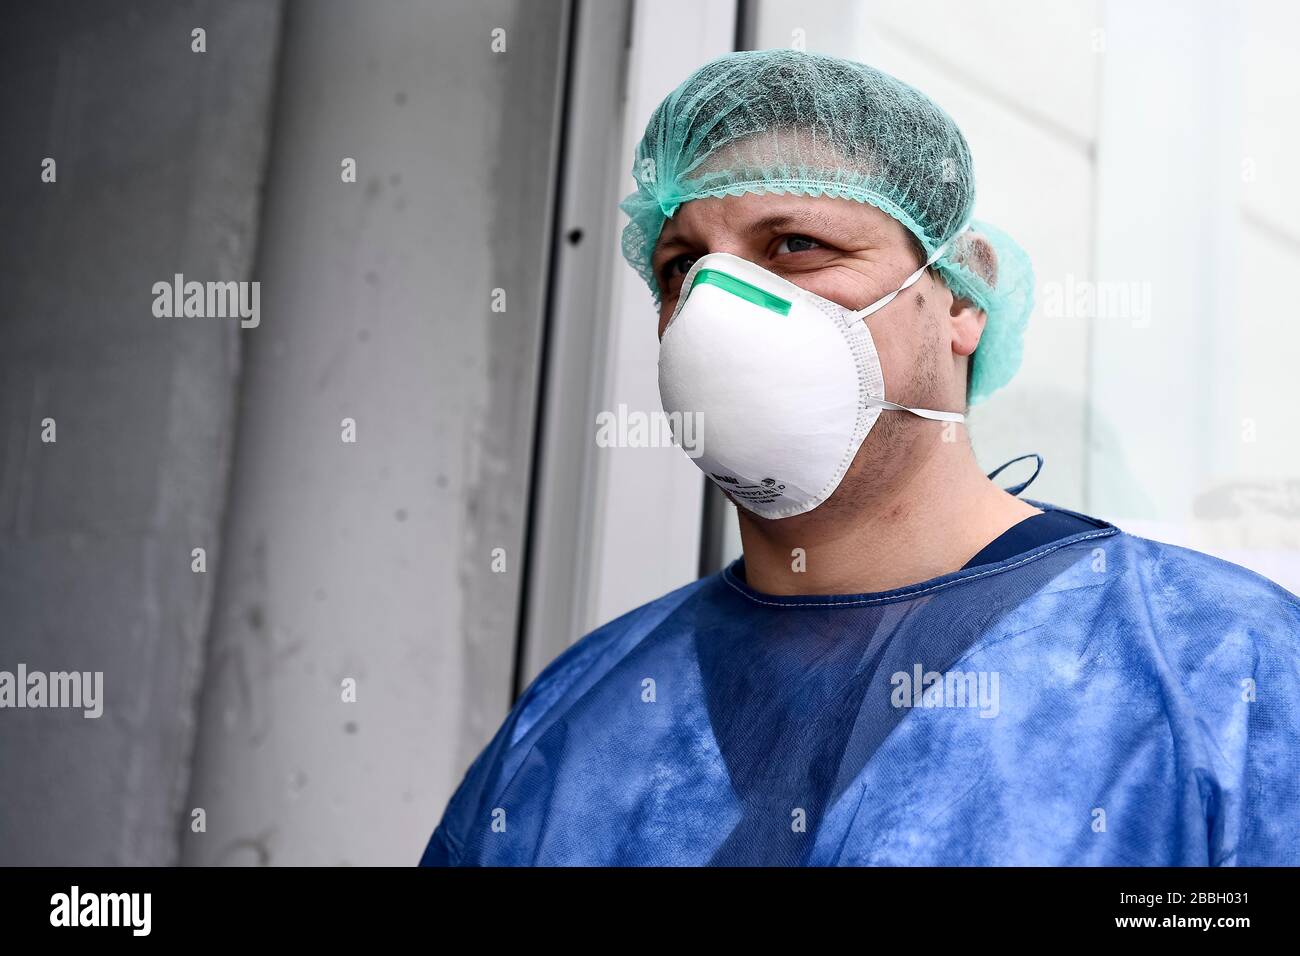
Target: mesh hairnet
pixel 785 121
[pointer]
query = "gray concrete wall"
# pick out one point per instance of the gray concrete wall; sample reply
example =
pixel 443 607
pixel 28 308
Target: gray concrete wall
pixel 326 560
pixel 371 561
pixel 159 153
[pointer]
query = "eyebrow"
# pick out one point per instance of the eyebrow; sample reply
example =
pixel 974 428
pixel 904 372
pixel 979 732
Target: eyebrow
pixel 780 221
pixel 676 242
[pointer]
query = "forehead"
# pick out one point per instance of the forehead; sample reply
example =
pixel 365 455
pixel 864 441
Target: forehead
pixel 756 214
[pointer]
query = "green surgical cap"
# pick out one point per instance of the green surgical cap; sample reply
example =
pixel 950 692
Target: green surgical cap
pixel 784 121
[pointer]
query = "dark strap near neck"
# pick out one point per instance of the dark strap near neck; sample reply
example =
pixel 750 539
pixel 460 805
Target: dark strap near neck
pixel 1016 489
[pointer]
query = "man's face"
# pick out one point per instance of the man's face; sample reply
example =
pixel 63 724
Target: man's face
pixel 852 254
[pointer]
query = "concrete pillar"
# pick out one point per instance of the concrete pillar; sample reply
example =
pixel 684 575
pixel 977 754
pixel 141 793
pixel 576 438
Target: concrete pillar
pixel 372 561
pixel 158 152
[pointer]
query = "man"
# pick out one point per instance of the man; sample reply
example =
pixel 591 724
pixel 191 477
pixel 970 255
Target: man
pixel 909 665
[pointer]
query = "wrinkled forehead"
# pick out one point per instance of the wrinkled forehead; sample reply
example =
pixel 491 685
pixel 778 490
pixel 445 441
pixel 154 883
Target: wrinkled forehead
pixel 782 177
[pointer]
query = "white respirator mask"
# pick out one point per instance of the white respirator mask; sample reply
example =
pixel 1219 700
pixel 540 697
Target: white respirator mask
pixel 782 385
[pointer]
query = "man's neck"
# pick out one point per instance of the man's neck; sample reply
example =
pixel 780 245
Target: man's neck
pixel 939 516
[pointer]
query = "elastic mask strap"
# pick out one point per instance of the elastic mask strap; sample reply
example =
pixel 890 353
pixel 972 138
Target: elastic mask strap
pixel 909 281
pixel 1016 489
pixel 920 412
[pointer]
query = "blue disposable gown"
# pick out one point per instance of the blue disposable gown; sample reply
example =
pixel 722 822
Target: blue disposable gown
pixel 1146 711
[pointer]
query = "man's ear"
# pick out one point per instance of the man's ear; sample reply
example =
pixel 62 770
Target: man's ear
pixel 967 325
pixel 975 253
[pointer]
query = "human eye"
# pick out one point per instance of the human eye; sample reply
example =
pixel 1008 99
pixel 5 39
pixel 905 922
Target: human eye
pixel 791 244
pixel 671 272
pixel 677 266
